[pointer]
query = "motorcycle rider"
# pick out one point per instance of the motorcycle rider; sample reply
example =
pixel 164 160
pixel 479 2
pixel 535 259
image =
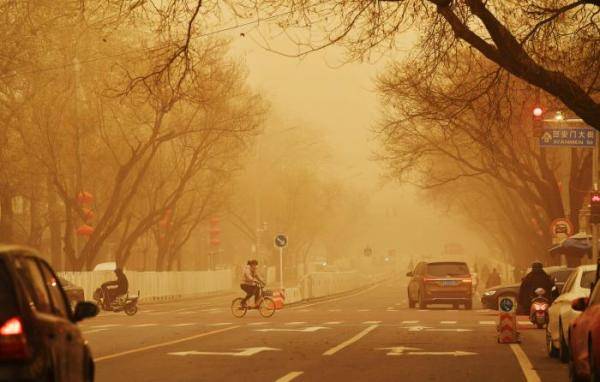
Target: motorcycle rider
pixel 112 289
pixel 535 279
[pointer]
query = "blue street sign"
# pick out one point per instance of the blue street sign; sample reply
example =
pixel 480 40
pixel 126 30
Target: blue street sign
pixel 506 305
pixel 568 137
pixel 281 241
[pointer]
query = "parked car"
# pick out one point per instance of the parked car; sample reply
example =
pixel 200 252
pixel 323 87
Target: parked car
pixel 39 337
pixel 561 314
pixel 490 296
pixel 440 283
pixel 584 339
pixel 74 293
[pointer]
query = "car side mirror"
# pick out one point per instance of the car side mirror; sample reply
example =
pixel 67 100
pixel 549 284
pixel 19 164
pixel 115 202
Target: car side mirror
pixel 85 309
pixel 580 304
pixel 409 274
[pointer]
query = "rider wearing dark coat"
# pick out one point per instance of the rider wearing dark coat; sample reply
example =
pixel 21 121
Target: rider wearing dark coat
pixel 535 279
pixel 116 288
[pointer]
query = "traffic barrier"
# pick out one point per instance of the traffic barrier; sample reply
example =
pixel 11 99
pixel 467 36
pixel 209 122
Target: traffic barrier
pixel 507 321
pixel 279 298
pixel 157 286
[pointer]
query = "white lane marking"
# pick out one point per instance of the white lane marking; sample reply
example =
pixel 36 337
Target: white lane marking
pixel 163 344
pixel 350 341
pixel 483 310
pixel 487 322
pixel 105 326
pixel 184 324
pixel 372 322
pixel 210 310
pixel 402 350
pixel 524 323
pixel 246 352
pixel 391 310
pixel 334 310
pixel 296 323
pixel 290 376
pixel 447 322
pixel 305 310
pixel 258 323
pixel 333 322
pixel 363 310
pixel 93 331
pixel 423 310
pixel 190 312
pixel 310 329
pixel 220 324
pixel 448 330
pixel 530 374
pixel 416 328
pixel 142 325
pixel 362 291
pixel 411 322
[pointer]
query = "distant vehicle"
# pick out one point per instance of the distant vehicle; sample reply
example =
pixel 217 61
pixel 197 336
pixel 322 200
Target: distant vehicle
pixel 74 293
pixel 490 296
pixel 561 314
pixel 440 283
pixel 584 339
pixel 39 337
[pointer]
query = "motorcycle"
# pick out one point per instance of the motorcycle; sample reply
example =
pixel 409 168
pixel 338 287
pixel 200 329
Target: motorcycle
pixel 123 303
pixel 538 313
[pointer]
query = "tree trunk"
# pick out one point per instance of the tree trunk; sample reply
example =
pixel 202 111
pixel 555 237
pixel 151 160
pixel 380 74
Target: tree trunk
pixel 6 216
pixel 54 221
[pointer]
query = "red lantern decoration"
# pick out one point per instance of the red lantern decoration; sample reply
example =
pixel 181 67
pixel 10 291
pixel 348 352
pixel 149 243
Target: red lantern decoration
pixel 214 232
pixel 85 230
pixel 85 197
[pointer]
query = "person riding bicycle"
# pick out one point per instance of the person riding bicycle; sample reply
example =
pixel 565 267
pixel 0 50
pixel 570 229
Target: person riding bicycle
pixel 251 282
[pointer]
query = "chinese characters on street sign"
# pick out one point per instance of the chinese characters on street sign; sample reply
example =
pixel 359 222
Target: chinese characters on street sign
pixel 568 136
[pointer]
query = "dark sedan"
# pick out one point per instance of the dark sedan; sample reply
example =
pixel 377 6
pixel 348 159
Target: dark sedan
pixel 490 296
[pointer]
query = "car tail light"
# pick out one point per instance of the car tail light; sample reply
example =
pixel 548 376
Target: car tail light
pixel 13 342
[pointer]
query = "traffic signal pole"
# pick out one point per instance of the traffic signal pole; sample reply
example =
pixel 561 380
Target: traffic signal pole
pixel 595 187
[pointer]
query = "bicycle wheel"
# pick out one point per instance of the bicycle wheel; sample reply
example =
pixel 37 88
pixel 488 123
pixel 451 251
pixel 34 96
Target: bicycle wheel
pixel 237 309
pixel 267 307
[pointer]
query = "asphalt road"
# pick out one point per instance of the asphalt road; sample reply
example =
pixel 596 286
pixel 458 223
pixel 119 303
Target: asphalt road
pixel 368 336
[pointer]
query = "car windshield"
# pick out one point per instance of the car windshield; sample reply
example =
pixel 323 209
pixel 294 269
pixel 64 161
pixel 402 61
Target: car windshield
pixel 587 278
pixel 8 303
pixel 447 269
pixel 562 275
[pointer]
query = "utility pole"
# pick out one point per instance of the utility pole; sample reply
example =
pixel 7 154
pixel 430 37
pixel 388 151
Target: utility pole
pixel 595 188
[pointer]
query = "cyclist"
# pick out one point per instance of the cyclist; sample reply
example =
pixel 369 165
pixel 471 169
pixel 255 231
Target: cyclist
pixel 251 282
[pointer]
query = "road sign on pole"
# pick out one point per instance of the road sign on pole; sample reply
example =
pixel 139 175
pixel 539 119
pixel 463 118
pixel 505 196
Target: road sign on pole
pixel 561 229
pixel 568 137
pixel 281 242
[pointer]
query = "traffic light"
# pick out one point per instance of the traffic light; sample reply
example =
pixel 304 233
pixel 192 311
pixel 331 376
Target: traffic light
pixel 538 117
pixel 595 207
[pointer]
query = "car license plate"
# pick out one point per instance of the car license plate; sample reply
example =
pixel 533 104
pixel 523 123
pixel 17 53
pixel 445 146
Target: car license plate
pixel 449 282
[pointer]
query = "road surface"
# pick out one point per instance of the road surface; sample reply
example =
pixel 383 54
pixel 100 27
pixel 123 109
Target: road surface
pixel 367 336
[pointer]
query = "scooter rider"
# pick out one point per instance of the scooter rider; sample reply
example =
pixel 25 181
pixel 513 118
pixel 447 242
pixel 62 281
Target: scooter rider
pixel 535 279
pixel 112 289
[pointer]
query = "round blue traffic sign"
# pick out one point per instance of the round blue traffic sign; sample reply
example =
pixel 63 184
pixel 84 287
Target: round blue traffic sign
pixel 506 304
pixel 281 241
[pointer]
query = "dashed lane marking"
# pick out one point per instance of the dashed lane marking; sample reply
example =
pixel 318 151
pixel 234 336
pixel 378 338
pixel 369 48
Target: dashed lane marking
pixel 363 310
pixel 183 324
pixel 526 323
pixel 290 376
pixel 530 374
pixel 163 344
pixel 447 322
pixel 305 310
pixel 296 323
pixel 372 322
pixel 332 322
pixel 93 331
pixel 220 324
pixel 104 326
pixel 258 323
pixel 410 322
pixel 350 341
pixel 487 322
pixel 334 310
pixel 142 325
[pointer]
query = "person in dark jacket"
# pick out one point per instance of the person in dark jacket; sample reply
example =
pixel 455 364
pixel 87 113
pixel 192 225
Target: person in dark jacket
pixel 535 279
pixel 493 279
pixel 112 289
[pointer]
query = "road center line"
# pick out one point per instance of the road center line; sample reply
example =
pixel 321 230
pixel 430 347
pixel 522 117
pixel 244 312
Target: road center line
pixel 155 346
pixel 290 376
pixel 352 340
pixel 530 374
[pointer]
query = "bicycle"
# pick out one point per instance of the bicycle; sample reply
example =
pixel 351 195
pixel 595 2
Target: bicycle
pixel 266 307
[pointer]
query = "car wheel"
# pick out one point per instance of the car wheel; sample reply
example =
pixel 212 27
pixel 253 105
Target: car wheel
pixel 563 350
pixel 422 303
pixel 550 348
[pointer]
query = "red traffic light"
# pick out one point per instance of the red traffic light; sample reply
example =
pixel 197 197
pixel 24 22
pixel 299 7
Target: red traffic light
pixel 595 197
pixel 538 111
